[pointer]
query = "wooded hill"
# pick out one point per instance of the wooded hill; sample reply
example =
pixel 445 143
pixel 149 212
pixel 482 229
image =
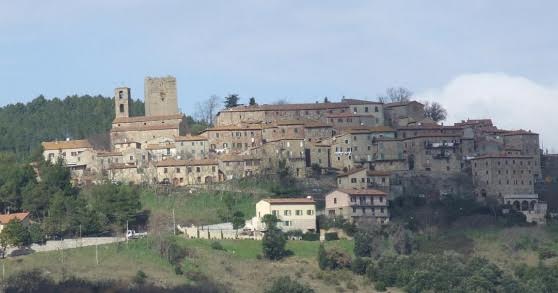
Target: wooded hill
pixel 24 126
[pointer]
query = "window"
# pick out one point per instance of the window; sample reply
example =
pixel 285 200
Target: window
pixel 287 212
pixel 353 180
pixel 177 170
pixel 299 213
pixel 335 200
pixel 288 223
pixel 165 170
pixel 274 212
pixel 366 109
pixel 198 169
pixel 309 212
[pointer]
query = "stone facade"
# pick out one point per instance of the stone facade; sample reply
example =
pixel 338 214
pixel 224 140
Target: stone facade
pixel 499 175
pixel 196 147
pixel 160 96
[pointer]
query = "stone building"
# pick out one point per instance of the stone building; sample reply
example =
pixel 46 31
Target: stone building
pixel 528 204
pixel 142 129
pixel 434 153
pixel 319 153
pixel 160 96
pixel 293 213
pixel 77 155
pixel 233 138
pixel 527 143
pixel 403 113
pixel 499 175
pixel 188 172
pixel 344 120
pixel 358 205
pixel 125 173
pixel 310 111
pixel 362 178
pixel 192 146
pixel 161 151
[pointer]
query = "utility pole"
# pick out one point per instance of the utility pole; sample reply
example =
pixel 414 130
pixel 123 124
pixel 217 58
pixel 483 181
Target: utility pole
pixel 96 252
pixel 126 234
pixel 173 223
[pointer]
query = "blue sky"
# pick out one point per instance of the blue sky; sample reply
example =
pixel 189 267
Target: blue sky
pixel 478 58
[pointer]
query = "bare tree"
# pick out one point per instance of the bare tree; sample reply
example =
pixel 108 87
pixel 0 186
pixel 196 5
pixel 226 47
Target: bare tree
pixel 207 109
pixel 435 111
pixel 396 94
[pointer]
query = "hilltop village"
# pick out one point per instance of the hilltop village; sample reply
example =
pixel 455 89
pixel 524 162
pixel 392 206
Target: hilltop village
pixel 373 149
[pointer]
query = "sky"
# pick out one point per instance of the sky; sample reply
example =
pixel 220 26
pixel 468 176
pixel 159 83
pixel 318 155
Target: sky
pixel 480 59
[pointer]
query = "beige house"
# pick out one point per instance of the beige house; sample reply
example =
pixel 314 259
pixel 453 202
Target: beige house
pixel 358 205
pixel 126 173
pixel 294 213
pixel 78 156
pixel 21 217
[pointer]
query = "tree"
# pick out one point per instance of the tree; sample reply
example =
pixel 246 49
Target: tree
pixel 207 110
pixel 238 221
pixel 273 242
pixel 231 101
pixel 396 94
pixel 364 243
pixel 403 241
pixel 286 284
pixel 435 111
pixel 326 100
pixel 14 234
pixel 252 101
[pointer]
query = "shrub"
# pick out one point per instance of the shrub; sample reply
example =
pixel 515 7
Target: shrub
pixel 140 277
pixel 294 234
pixel 309 236
pixel 380 286
pixel 546 252
pixel 364 243
pixel 286 284
pixel 359 265
pixel 273 244
pixel 331 236
pixel 333 259
pixel 217 245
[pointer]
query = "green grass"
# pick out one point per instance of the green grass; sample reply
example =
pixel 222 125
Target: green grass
pixel 202 207
pixel 250 249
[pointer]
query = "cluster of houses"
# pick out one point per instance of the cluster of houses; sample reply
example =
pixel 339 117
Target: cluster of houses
pixel 368 144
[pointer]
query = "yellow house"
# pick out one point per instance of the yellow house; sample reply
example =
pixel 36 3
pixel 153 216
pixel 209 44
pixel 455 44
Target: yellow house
pixel 294 213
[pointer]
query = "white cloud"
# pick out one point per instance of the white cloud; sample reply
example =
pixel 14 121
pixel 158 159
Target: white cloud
pixel 513 102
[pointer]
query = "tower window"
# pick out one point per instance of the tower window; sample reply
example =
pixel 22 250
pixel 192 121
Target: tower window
pixel 121 108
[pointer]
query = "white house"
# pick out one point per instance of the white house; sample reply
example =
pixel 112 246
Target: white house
pixel 294 213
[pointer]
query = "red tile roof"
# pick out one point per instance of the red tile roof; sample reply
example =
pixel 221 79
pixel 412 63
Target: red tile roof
pixel 302 200
pixel 369 192
pixel 4 219
pixel 146 118
pixel 67 144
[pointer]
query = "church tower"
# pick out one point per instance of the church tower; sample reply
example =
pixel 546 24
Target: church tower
pixel 122 102
pixel 160 96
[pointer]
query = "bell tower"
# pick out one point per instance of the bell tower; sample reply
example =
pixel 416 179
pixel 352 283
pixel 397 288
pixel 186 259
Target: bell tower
pixel 122 102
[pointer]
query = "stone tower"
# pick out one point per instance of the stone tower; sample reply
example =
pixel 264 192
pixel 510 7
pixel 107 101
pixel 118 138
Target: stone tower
pixel 160 96
pixel 122 102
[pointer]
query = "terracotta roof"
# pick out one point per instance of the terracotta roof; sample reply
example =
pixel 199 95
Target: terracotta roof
pixel 202 162
pixel 146 118
pixel 288 107
pixel 351 172
pixel 317 125
pixel 432 135
pixel 301 137
pixel 170 163
pixel 66 144
pixel 370 129
pixel 429 126
pixel 291 122
pixel 145 127
pixel 109 154
pixel 519 132
pixel 116 166
pixel 378 173
pixel 4 219
pixel 359 102
pixel 501 156
pixel 160 147
pixel 399 104
pixel 235 127
pixel 190 138
pixel 301 200
pixel 348 114
pixel 231 158
pixel 370 192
